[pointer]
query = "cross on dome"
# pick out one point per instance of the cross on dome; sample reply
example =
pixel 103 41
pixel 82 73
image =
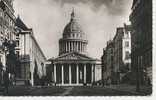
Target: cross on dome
pixel 73 15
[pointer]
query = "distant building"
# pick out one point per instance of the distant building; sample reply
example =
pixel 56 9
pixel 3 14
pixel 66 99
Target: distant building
pixel 31 57
pixel 122 52
pixel 107 63
pixel 73 67
pixel 103 66
pixel 141 19
pixel 7 38
pixel 49 75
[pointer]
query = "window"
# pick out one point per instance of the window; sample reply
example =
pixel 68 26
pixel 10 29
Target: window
pixel 127 55
pixel 127 44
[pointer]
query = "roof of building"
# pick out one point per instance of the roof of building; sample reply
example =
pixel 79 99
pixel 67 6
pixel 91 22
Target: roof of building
pixel 20 24
pixel 73 56
pixel 73 26
pixel 120 30
pixel 134 1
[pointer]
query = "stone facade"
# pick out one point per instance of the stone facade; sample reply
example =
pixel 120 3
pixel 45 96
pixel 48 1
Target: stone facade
pixel 32 59
pixel 107 63
pixel 141 19
pixel 73 67
pixel 122 52
pixel 7 36
pixel 116 60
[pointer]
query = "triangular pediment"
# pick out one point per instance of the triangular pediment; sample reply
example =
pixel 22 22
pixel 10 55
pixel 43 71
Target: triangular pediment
pixel 73 56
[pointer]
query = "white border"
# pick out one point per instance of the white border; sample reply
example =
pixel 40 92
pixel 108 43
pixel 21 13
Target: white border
pixel 152 97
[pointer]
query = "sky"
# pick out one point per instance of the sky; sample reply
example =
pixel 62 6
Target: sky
pixel 98 19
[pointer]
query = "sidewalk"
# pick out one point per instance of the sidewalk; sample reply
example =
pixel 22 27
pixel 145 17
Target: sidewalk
pixel 144 90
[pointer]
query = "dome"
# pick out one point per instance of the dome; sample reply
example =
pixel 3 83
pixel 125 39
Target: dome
pixel 74 39
pixel 72 28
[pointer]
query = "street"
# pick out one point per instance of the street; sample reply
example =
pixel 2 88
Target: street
pixel 67 91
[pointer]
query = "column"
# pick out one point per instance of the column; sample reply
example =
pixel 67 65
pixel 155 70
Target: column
pixel 92 73
pixel 77 46
pixel 52 76
pixel 69 74
pixel 59 48
pixel 62 47
pixel 69 46
pixel 77 74
pixel 73 46
pixel 55 73
pixel 80 46
pixel 32 78
pixel 84 73
pixel 84 47
pixel 62 74
pixel 66 47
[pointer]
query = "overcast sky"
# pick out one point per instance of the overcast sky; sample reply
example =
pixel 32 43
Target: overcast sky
pixel 98 18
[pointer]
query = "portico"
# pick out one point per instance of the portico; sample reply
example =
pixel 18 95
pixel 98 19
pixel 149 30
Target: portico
pixel 73 71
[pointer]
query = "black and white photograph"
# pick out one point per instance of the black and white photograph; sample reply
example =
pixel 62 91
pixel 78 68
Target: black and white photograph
pixel 78 48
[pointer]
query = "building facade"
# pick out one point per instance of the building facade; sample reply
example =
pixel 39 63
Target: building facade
pixel 32 59
pixel 7 24
pixel 122 52
pixel 103 66
pixel 73 67
pixel 107 63
pixel 7 38
pixel 141 19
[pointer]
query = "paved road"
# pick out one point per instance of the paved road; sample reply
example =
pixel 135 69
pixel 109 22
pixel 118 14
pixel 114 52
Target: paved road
pixel 66 91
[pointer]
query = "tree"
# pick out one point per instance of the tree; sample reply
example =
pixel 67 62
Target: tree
pixel 11 58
